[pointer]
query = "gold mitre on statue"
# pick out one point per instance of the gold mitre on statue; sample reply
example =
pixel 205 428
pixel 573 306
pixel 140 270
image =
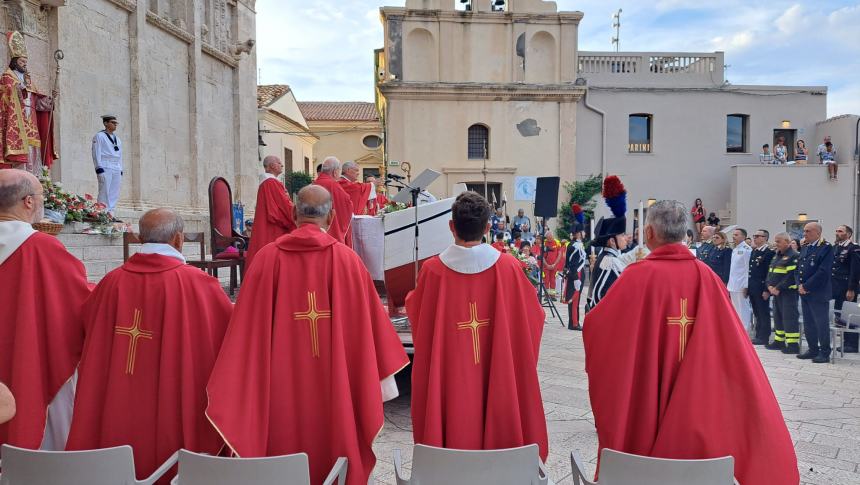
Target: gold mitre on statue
pixel 15 42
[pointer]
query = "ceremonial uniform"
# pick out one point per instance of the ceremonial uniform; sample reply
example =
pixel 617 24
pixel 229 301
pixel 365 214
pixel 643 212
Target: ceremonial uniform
pixel 815 266
pixel 704 251
pixel 757 285
pixel 782 275
pixel 719 259
pixel 845 274
pixel 739 281
pixel 574 266
pixel 107 159
pixel 608 267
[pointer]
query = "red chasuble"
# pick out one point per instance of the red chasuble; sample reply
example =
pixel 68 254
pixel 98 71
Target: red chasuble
pixel 474 376
pixel 40 335
pixel 273 216
pixel 340 228
pixel 692 386
pixel 301 364
pixel 358 192
pixel 153 330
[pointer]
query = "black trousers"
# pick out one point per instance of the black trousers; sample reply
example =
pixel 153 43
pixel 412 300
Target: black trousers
pixel 816 325
pixel 761 313
pixel 573 296
pixel 785 317
pixel 839 290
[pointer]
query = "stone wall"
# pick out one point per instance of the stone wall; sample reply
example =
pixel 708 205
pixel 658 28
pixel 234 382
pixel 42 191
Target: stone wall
pixel 173 74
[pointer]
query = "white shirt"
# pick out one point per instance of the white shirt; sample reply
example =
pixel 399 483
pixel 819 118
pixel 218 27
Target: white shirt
pixel 104 154
pixel 739 273
pixel 12 236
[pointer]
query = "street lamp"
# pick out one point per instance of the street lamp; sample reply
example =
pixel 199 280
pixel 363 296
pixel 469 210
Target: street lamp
pixel 801 217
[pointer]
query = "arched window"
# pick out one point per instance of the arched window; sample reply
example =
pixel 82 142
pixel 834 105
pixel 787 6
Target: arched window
pixel 479 142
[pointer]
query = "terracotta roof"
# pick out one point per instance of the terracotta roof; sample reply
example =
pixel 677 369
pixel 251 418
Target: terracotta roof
pixel 339 111
pixel 269 93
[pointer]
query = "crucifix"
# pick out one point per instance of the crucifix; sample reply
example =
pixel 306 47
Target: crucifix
pixel 313 315
pixel 474 324
pixel 134 332
pixel 683 321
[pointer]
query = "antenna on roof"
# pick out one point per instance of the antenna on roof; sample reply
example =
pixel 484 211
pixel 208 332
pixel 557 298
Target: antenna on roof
pixel 616 24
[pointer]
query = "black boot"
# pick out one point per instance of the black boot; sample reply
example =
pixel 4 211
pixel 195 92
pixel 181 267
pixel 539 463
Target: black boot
pixel 821 359
pixel 775 345
pixel 808 355
pixel 791 349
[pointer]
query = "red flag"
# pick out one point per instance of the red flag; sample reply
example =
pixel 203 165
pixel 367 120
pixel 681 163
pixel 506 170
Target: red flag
pixel 340 228
pixel 301 364
pixel 153 330
pixel 40 335
pixel 689 384
pixel 474 377
pixel 358 192
pixel 273 217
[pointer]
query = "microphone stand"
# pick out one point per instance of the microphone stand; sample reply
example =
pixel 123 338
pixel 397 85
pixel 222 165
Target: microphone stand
pixel 414 191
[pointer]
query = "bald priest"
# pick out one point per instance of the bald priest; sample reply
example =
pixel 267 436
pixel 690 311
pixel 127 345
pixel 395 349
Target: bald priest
pixel 153 329
pixel 40 333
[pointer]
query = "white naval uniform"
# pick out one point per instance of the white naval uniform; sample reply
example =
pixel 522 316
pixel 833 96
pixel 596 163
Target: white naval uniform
pixel 738 282
pixel 108 161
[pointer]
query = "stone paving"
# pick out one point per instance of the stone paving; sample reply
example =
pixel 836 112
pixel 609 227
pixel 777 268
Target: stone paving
pixel 820 402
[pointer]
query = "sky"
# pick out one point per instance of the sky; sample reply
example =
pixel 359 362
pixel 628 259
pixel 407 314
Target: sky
pixel 324 49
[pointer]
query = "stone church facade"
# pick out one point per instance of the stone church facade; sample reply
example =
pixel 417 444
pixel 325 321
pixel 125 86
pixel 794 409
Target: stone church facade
pixel 180 75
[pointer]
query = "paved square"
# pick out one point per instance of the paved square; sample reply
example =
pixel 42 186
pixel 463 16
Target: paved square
pixel 820 402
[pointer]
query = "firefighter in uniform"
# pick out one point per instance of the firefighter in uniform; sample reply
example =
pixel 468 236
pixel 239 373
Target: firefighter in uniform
pixel 782 284
pixel 758 293
pixel 845 275
pixel 816 290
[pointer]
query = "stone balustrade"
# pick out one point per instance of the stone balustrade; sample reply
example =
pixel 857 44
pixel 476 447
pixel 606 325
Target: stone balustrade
pixel 651 69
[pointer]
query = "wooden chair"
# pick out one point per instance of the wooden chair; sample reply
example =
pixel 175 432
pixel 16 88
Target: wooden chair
pixel 207 265
pixel 222 235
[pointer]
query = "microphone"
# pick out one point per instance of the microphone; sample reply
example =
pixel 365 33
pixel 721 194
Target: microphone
pixel 395 176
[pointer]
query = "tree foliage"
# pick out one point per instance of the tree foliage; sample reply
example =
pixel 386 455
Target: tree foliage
pixel 295 181
pixel 580 192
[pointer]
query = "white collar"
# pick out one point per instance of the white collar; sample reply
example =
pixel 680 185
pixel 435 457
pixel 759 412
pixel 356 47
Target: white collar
pixel 470 260
pixel 266 176
pixel 161 249
pixel 12 236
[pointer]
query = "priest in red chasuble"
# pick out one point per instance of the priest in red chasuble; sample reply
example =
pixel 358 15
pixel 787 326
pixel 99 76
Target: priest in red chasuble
pixel 359 193
pixel 43 288
pixel 26 132
pixel 474 379
pixel 307 363
pixel 343 209
pixel 688 384
pixel 153 329
pixel 273 215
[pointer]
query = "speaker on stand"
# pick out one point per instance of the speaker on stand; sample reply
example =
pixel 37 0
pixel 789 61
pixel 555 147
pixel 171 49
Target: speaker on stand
pixel 546 206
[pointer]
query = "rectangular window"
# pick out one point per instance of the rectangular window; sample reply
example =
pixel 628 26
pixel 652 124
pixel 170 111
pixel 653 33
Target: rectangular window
pixel 639 134
pixel 737 133
pixel 307 165
pixel 288 160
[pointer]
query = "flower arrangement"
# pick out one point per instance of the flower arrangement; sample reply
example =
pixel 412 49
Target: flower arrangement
pixel 72 207
pixel 394 207
pixel 527 262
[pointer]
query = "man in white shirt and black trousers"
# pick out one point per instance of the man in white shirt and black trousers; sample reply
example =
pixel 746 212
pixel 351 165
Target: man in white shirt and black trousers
pixel 107 158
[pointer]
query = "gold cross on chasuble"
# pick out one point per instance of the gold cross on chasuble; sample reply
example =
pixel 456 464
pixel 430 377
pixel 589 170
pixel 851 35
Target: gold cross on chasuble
pixel 313 315
pixel 683 321
pixel 474 324
pixel 134 333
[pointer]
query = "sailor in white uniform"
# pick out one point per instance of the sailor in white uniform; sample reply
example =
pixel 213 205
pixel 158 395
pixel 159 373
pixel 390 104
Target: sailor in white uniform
pixel 107 158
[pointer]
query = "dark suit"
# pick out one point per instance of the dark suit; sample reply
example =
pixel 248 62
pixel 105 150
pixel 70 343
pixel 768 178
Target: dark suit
pixel 759 264
pixel 814 267
pixel 720 260
pixel 845 273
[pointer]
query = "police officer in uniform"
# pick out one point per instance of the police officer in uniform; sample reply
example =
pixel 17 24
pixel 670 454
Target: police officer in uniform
pixel 845 275
pixel 816 290
pixel 703 252
pixel 782 284
pixel 574 271
pixel 758 293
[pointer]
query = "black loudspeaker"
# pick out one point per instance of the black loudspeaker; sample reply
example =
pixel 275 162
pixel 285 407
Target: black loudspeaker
pixel 546 197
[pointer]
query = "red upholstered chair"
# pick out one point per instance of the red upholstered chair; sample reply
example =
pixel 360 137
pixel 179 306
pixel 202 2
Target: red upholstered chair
pixel 226 244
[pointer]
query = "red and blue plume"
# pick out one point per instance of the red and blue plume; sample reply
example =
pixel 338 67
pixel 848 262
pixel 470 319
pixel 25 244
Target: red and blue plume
pixel 615 195
pixel 578 213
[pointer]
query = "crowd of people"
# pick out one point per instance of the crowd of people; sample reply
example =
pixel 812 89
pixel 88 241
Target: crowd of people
pixel 826 154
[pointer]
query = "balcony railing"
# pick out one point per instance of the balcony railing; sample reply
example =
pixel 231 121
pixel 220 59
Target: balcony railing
pixel 651 68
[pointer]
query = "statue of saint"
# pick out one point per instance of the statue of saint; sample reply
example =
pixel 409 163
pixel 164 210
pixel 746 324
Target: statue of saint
pixel 26 135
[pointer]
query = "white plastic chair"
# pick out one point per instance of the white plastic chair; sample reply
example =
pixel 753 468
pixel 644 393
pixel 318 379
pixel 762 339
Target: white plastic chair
pixel 617 468
pixel 197 469
pixel 441 466
pixel 108 466
pixel 850 315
